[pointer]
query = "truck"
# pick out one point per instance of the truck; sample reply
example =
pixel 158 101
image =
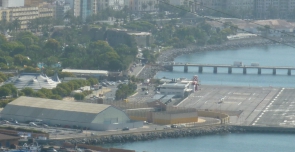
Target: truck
pixel 238 64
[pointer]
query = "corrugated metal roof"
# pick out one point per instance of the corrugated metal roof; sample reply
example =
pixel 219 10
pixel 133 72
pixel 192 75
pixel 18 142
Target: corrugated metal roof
pixel 59 105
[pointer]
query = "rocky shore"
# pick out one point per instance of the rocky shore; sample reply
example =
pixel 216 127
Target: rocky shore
pixel 145 136
pixel 168 55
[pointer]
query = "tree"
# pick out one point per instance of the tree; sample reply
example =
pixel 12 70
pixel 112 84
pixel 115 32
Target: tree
pixel 79 96
pixel 28 91
pixel 4 92
pixel 16 24
pixel 53 45
pixel 92 81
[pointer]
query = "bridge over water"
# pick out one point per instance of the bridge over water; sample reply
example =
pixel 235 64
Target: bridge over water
pixel 230 67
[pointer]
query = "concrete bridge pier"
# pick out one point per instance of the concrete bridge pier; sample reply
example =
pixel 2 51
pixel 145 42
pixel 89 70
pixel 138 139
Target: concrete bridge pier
pixel 274 71
pixel 185 68
pixel 259 70
pixel 200 69
pixel 244 70
pixel 289 71
pixel 229 70
pixel 215 70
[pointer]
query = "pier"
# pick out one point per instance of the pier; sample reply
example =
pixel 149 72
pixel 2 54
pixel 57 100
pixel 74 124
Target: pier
pixel 230 67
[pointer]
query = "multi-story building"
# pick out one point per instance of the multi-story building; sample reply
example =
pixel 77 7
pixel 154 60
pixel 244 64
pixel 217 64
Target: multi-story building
pixel 13 3
pixel 60 9
pixel 83 8
pixel 113 4
pixel 23 14
pixel 32 3
pixel 45 10
pixel 264 9
pixel 240 4
pixel 143 5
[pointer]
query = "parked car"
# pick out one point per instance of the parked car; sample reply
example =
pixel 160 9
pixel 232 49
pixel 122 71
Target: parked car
pixel 45 126
pixel 167 127
pixel 15 122
pixel 125 129
pixel 33 124
pixel 173 126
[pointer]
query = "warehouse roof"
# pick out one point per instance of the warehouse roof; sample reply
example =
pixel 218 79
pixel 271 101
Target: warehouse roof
pixel 59 105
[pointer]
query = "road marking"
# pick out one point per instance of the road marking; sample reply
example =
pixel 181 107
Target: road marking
pixel 249 99
pixel 239 103
pixel 253 94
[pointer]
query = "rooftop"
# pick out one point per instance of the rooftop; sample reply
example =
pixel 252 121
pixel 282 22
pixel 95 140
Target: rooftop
pixel 174 85
pixel 59 105
pixel 79 71
pixel 35 81
pixel 7 137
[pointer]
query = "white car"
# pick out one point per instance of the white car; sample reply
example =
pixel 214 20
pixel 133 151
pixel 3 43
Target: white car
pixel 33 124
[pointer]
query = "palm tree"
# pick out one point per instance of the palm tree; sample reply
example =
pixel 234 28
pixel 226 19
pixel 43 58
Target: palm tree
pixel 16 24
pixel 3 25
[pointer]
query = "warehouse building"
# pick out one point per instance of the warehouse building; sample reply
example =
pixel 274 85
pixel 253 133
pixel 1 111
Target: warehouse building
pixel 66 113
pixel 179 89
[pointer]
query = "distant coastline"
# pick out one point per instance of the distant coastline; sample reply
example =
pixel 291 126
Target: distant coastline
pixel 169 55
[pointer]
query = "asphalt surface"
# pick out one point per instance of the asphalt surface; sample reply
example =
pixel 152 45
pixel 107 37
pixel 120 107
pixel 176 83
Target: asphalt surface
pixel 243 104
pixel 280 111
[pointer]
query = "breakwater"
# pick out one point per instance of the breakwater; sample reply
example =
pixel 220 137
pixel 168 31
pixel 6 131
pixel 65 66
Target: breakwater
pixel 159 134
pixel 177 133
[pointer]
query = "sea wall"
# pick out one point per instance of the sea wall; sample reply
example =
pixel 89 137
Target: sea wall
pixel 156 134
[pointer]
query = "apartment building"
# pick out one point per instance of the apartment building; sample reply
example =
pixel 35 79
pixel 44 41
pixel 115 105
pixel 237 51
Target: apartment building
pixel 83 8
pixel 142 5
pixel 112 4
pixel 240 4
pixel 265 9
pixel 23 14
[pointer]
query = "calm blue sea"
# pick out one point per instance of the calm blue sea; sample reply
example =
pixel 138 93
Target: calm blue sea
pixel 217 143
pixel 275 55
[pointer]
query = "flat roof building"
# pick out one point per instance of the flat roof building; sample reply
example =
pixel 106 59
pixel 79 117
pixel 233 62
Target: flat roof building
pixel 92 116
pixel 177 89
pixel 93 73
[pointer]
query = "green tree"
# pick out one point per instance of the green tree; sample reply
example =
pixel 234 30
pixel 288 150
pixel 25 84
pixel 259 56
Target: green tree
pixel 53 45
pixel 28 91
pixel 4 91
pixel 92 81
pixel 79 96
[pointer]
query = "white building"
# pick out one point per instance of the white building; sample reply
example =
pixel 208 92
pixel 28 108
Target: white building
pixel 91 73
pixel 13 3
pixel 178 89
